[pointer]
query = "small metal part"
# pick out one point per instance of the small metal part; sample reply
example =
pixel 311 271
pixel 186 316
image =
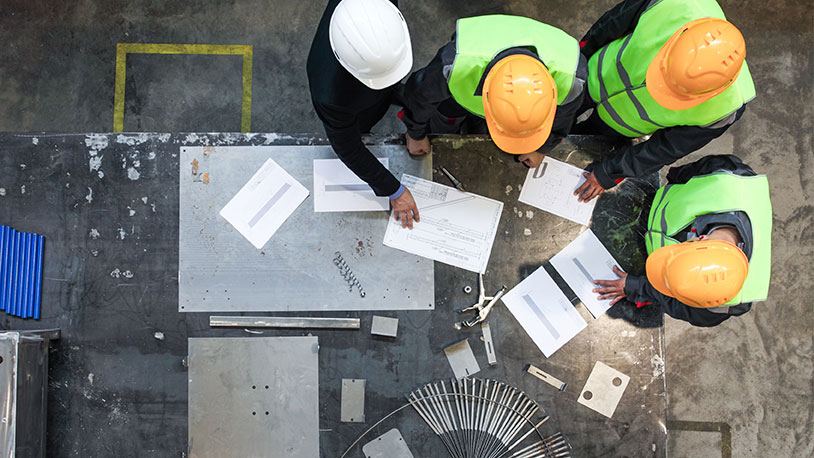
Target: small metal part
pixel 353 401
pixel 488 343
pixel 458 185
pixel 551 380
pixel 384 326
pixel 481 306
pixel 347 274
pixel 389 445
pixel 461 359
pixel 282 322
pixel 467 289
pixel 603 389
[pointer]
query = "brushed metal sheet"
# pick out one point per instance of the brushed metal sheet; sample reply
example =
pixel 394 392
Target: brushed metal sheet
pixel 220 271
pixel 252 396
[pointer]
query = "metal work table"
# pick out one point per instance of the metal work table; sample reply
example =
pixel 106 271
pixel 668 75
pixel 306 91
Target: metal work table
pixel 117 379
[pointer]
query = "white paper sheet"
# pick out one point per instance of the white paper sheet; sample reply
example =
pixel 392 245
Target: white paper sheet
pixel 264 203
pixel 553 191
pixel 456 228
pixel 545 313
pixel 580 263
pixel 338 189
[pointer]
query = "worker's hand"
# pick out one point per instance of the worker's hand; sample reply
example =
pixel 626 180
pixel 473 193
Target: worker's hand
pixel 417 147
pixel 404 209
pixel 612 289
pixel 590 189
pixel 531 160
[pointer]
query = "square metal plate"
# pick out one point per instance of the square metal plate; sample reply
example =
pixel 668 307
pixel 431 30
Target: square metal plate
pixel 252 396
pixel 388 445
pixel 384 326
pixel 220 271
pixel 603 389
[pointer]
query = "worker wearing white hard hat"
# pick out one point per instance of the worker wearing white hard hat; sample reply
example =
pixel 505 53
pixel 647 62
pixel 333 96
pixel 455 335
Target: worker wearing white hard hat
pixel 360 53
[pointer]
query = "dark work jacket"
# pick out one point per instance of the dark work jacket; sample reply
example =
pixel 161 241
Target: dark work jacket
pixel 664 146
pixel 639 289
pixel 347 109
pixel 427 90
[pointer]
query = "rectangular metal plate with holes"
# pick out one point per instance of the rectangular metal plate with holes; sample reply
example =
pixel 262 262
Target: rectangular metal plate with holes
pixel 220 271
pixel 491 356
pixel 253 396
pixel 461 359
pixel 603 389
pixel 353 401
pixel 282 322
pixel 384 326
pixel 389 445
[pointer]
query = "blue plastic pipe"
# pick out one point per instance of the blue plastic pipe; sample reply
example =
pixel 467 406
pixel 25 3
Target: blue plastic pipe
pixel 3 249
pixel 38 276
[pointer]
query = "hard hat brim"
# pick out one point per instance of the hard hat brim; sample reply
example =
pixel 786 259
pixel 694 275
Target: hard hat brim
pixel 391 78
pixel 513 144
pixel 655 265
pixel 657 85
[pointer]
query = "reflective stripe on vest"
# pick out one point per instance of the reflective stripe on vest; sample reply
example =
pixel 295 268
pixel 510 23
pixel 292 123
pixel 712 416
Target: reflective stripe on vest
pixel 676 206
pixel 479 39
pixel 617 73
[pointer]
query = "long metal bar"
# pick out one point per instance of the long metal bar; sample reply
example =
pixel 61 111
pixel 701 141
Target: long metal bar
pixel 282 322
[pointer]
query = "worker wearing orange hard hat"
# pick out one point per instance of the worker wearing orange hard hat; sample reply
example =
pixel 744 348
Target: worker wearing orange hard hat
pixel 708 242
pixel 517 78
pixel 673 70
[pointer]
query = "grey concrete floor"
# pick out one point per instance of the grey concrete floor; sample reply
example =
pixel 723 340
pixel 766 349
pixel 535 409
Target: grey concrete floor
pixel 754 373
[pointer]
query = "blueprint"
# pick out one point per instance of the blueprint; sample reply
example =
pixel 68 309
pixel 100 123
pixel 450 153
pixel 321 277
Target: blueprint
pixel 456 228
pixel 551 187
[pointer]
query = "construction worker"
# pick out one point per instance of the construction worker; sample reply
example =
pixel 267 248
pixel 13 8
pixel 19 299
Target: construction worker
pixel 524 77
pixel 670 69
pixel 359 55
pixel 720 211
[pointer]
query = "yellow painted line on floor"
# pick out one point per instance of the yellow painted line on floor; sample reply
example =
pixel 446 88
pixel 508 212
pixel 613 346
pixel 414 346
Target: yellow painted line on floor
pixel 707 426
pixel 122 49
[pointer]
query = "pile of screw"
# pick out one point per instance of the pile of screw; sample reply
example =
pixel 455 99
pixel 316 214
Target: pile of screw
pixel 347 274
pixel 480 418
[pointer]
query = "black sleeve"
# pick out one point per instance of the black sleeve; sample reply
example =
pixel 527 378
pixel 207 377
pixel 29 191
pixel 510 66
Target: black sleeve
pixel 343 132
pixel 640 291
pixel 566 113
pixel 707 165
pixel 425 90
pixel 664 147
pixel 616 22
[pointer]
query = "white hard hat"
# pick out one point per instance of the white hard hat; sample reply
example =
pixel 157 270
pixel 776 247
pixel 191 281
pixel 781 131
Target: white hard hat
pixel 370 39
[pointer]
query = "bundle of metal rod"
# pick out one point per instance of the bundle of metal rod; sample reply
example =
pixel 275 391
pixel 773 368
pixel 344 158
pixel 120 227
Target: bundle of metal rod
pixel 482 418
pixel 20 272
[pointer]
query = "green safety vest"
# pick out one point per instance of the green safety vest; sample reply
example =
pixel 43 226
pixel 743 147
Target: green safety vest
pixel 479 39
pixel 617 73
pixel 676 206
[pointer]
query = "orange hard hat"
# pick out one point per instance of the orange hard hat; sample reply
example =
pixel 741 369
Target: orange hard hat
pixel 703 274
pixel 701 60
pixel 519 101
